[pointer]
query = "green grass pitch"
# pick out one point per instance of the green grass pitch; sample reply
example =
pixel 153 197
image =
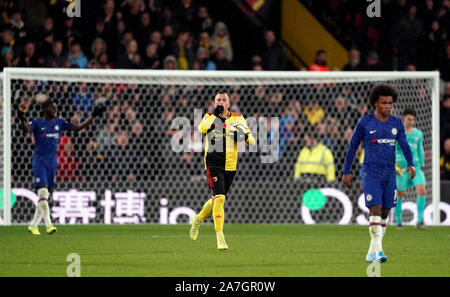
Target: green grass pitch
pixel 255 250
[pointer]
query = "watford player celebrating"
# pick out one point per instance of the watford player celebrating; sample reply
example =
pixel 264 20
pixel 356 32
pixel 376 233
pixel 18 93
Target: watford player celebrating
pixel 223 131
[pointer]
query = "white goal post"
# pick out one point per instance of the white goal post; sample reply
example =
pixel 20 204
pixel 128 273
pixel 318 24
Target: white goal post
pixel 289 84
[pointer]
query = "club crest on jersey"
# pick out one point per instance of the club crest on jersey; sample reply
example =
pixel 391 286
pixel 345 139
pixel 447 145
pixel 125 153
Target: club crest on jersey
pixel 56 127
pixel 394 131
pixel 216 135
pixel 369 197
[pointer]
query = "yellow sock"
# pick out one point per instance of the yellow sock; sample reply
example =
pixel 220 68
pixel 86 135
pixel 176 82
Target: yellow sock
pixel 206 210
pixel 218 212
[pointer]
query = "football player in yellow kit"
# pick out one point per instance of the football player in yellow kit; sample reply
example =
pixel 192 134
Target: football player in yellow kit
pixel 223 131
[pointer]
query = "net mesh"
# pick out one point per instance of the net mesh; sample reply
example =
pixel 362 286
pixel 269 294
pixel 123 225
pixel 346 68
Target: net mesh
pixel 123 168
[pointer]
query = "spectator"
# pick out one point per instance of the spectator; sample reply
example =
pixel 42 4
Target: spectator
pixel 373 62
pixel 445 117
pixel 320 63
pixel 156 38
pixel 445 161
pixel 354 61
pixel 286 134
pixel 221 61
pixel 410 67
pixel 433 45
pixel 121 158
pixel 131 13
pixel 273 56
pixel 203 22
pixel 105 138
pixel 183 50
pixel 101 62
pixel 314 112
pixel 48 26
pixel 185 12
pixel 98 47
pixel 221 39
pixel 29 57
pixel 315 159
pixel 130 59
pixel 444 67
pixel 170 63
pixel 8 59
pixel 204 41
pixel 83 100
pixel 9 41
pixel 151 59
pixel 45 46
pixel 57 59
pixel 17 25
pixel 144 29
pixel 324 136
pixel 407 33
pixel 168 39
pixel 68 163
pixel 347 116
pixel 205 63
pixel 76 55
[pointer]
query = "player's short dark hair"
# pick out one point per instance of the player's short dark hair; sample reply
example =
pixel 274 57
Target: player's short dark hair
pixel 222 91
pixel 46 104
pixel 409 111
pixel 382 90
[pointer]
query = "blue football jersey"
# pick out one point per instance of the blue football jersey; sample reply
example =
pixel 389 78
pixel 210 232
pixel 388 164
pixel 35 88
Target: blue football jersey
pixel 46 136
pixel 379 139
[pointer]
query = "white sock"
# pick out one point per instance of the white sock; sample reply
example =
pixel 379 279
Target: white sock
pixel 43 195
pixel 375 234
pixel 383 227
pixel 45 211
pixel 37 217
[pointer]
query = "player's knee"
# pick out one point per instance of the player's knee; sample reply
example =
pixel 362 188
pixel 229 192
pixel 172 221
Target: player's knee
pixel 219 199
pixel 421 190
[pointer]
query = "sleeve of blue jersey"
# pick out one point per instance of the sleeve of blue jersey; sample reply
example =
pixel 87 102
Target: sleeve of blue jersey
pixel 403 142
pixel 65 125
pixel 33 125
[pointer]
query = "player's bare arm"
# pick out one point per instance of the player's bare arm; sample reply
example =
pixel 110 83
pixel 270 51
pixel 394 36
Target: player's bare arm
pixel 412 171
pixel 24 124
pixel 347 180
pixel 98 111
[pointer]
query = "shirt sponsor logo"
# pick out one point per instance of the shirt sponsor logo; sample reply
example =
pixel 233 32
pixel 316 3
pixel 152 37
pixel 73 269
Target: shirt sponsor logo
pixel 390 141
pixel 50 135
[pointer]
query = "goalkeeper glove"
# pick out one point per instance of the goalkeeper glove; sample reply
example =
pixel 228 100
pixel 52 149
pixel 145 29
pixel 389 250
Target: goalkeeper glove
pixel 240 135
pixel 98 110
pixel 218 110
pixel 398 170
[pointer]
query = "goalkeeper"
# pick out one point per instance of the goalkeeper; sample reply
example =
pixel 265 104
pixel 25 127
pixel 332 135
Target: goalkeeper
pixel 47 131
pixel 415 141
pixel 223 131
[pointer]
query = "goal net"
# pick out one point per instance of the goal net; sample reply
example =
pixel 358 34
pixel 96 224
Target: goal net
pixel 142 161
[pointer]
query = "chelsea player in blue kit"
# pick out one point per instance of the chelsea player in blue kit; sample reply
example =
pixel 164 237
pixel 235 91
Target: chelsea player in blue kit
pixel 379 132
pixel 47 131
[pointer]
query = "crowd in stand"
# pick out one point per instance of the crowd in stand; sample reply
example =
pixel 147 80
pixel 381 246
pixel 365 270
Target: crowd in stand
pixel 137 34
